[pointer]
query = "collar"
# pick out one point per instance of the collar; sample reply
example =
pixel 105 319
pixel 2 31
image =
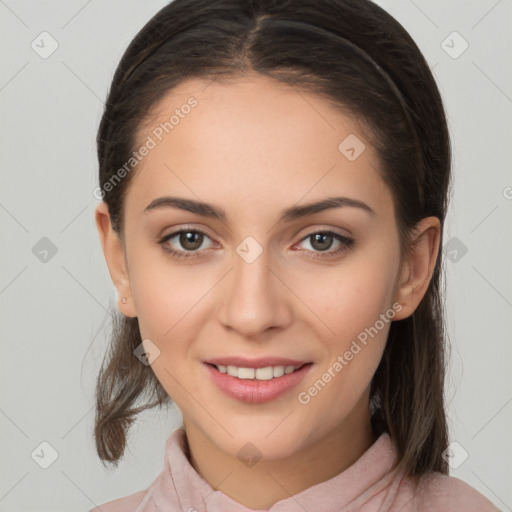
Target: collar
pixel 180 484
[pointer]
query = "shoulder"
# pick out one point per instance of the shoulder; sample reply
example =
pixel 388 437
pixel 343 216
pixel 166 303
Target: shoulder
pixel 125 504
pixel 436 491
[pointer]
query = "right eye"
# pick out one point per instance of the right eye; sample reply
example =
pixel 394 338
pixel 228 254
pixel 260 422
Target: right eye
pixel 189 239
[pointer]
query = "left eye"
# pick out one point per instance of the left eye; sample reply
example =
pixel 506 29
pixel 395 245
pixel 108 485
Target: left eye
pixel 322 241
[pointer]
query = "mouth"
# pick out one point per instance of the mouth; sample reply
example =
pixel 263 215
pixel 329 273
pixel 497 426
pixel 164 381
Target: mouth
pixel 257 385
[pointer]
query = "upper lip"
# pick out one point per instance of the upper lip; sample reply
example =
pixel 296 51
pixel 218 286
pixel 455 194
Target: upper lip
pixel 260 362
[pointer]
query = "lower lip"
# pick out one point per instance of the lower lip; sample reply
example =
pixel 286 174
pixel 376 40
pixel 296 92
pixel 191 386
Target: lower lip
pixel 256 391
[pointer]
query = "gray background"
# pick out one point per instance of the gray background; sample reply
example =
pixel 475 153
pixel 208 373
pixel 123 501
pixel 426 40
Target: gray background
pixel 53 304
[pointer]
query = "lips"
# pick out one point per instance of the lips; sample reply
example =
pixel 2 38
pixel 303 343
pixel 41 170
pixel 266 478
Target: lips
pixel 255 391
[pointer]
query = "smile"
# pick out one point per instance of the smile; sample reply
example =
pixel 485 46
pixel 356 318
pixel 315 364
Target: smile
pixel 255 385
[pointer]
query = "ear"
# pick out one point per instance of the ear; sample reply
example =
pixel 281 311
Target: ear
pixel 419 266
pixel 116 259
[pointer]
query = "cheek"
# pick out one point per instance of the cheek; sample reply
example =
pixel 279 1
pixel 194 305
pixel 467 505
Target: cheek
pixel 354 304
pixel 169 299
pixel 350 297
pixel 350 303
pixel 164 290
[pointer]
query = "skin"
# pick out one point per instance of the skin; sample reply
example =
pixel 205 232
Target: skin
pixel 255 147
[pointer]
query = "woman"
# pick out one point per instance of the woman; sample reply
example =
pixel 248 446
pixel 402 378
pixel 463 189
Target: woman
pixel 274 177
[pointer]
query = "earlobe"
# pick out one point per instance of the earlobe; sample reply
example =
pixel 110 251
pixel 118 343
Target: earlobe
pixel 115 258
pixel 418 268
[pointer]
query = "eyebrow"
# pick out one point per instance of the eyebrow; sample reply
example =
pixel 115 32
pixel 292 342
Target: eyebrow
pixel 287 215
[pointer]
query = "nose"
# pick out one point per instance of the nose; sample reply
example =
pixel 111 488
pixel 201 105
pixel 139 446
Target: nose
pixel 255 297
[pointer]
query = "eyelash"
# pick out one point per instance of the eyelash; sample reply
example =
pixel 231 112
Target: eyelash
pixel 347 244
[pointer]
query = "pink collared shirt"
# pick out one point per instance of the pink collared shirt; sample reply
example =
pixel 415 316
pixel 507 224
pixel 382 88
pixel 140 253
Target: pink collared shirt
pixel 369 485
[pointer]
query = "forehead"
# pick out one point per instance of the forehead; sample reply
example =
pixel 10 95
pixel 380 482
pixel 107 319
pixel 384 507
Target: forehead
pixel 249 139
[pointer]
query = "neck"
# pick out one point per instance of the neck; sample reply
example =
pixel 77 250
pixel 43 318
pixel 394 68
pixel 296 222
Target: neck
pixel 268 481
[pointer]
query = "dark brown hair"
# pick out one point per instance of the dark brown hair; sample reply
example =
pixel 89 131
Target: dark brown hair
pixel 360 59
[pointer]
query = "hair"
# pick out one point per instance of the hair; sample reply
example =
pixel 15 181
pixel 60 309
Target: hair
pixel 355 55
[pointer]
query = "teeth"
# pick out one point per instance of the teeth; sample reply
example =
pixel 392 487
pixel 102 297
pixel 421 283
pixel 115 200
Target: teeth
pixel 267 373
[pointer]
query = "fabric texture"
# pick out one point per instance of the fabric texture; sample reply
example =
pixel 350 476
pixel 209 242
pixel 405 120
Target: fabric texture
pixel 371 484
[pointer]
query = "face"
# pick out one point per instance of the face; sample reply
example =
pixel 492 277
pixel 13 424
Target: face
pixel 319 288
